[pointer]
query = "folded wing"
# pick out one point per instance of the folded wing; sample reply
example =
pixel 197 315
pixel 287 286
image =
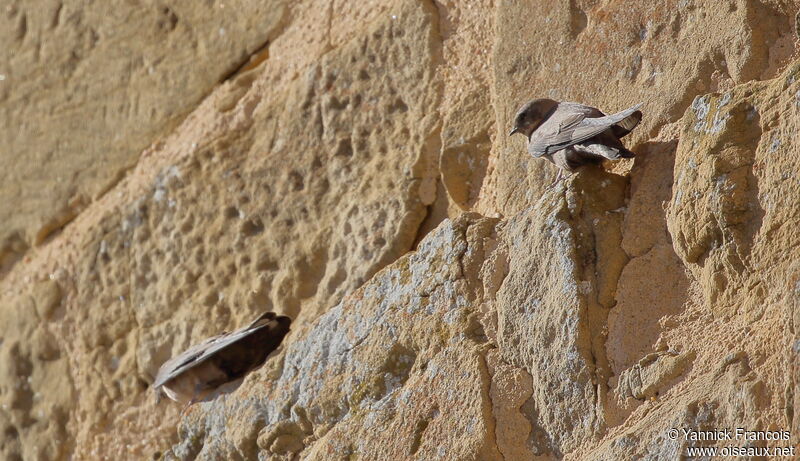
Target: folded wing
pixel 203 351
pixel 576 128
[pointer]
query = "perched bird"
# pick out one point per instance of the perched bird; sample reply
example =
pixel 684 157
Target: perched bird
pixel 198 371
pixel 572 135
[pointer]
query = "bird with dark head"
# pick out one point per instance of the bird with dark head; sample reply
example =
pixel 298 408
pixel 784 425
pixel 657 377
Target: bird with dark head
pixel 531 115
pixel 572 135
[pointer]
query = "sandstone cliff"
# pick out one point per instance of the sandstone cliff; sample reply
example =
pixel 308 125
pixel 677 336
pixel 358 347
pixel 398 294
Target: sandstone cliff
pixel 173 168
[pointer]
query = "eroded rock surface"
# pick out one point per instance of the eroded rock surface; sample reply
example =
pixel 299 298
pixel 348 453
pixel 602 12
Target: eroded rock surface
pixel 347 165
pixel 85 87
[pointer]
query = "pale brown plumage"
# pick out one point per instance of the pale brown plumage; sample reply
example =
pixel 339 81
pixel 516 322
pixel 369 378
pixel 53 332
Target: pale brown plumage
pixel 572 135
pixel 200 370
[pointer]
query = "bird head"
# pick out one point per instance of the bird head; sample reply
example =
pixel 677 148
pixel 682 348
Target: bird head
pixel 531 115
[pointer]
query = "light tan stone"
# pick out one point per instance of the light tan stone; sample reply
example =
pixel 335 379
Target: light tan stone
pixel 85 87
pixel 356 175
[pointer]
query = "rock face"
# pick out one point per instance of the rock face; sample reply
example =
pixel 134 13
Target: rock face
pixel 85 88
pixel 346 164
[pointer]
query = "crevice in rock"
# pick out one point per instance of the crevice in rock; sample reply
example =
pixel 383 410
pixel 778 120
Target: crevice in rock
pixel 436 210
pixel 419 431
pixel 260 53
pixel 440 14
pixel 248 62
pixel 435 213
pixel 115 179
pixel 463 169
pixel 55 224
pixel 329 27
pixel 539 439
pixel 491 450
pixel 600 249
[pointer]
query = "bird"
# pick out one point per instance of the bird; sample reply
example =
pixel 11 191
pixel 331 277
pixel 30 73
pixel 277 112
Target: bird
pixel 571 135
pixel 199 371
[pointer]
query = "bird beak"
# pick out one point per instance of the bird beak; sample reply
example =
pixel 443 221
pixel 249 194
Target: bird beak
pixel 515 130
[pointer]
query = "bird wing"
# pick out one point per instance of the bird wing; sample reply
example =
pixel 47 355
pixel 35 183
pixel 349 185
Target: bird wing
pixel 627 124
pixel 557 133
pixel 203 351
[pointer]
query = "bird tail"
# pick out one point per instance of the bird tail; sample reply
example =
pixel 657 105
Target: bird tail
pixel 610 147
pixel 625 153
pixel 627 124
pixel 616 153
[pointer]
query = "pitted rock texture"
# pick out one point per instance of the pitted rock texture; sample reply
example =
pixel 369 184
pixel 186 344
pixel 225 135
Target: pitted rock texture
pixel 347 164
pixel 386 374
pixel 85 87
pixel 613 54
